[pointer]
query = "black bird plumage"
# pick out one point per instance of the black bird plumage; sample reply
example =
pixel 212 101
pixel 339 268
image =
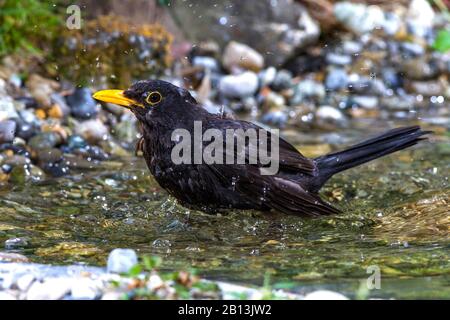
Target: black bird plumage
pixel 213 187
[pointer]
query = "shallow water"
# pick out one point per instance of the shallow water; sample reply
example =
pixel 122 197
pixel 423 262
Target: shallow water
pixel 396 217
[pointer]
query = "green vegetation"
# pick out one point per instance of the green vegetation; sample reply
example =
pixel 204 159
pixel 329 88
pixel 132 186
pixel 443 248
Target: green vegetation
pixel 24 24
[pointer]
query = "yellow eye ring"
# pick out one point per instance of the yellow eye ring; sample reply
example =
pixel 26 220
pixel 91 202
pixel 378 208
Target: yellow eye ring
pixel 153 98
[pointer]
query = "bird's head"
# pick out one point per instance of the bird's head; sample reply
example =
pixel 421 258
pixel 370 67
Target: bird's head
pixel 145 97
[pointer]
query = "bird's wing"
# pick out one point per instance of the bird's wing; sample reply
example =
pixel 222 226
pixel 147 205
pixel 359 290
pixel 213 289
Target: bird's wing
pixel 290 159
pixel 274 192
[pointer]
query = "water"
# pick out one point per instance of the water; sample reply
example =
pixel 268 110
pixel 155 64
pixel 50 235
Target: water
pixel 396 217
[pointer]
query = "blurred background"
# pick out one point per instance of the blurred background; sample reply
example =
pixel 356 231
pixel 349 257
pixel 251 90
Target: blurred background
pixel 328 73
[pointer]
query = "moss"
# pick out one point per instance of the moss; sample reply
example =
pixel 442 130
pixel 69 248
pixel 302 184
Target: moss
pixel 110 51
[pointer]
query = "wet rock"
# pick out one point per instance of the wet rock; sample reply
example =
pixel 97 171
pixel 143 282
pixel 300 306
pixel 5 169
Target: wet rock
pixel 282 81
pixel 325 295
pixel 19 175
pixel 359 18
pixel 367 102
pixel 267 76
pixel 420 17
pixel 15 243
pixel 338 59
pixel 41 89
pixel 121 260
pixel 82 105
pixel 7 109
pixel 274 100
pixel 309 89
pixel 351 47
pixel 419 69
pixel 277 118
pixel 7 131
pixel 328 117
pixel 336 79
pixel 208 63
pixel 12 257
pixel 44 140
pixel 240 56
pixel 50 289
pixel 92 130
pixel 84 289
pixel 76 142
pixel 49 155
pixel 239 86
pixel 391 77
pixel 59 101
pixel 397 103
pixel 412 49
pixel 56 169
pixel 427 88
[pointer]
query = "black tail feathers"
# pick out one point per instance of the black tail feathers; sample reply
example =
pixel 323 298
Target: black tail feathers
pixel 389 142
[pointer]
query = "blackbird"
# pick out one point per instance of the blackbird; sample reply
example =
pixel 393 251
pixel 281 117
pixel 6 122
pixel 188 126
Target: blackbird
pixel 162 107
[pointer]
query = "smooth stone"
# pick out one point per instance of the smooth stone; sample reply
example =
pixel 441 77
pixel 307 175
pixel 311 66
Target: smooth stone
pixel 41 89
pixel 208 63
pixel 282 81
pixel 7 109
pixel 92 131
pixel 15 243
pixel 7 131
pixel 239 55
pixel 76 142
pixel 413 49
pixel 352 47
pixel 82 105
pixel 358 17
pixel 278 118
pixel 310 89
pixel 50 289
pixel 392 78
pixel 397 103
pixel 49 155
pixel 336 79
pixel 56 169
pixel 121 260
pixel 420 17
pixel 12 257
pixel 44 140
pixel 328 117
pixel 325 295
pixel 239 86
pixel 366 102
pixel 61 102
pixel 267 76
pixel 338 59
pixel 84 289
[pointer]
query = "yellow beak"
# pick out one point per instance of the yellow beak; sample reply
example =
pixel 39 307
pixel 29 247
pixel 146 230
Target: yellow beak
pixel 116 97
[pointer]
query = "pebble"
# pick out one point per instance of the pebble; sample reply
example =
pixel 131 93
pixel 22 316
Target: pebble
pixel 15 243
pixel 352 47
pixel 267 76
pixel 329 117
pixel 50 289
pixel 325 295
pixel 208 63
pixel 336 79
pixel 338 59
pixel 239 55
pixel 358 17
pixel 121 260
pixel 82 105
pixel 391 78
pixel 310 89
pixel 366 102
pixel 282 81
pixel 84 289
pixel 7 131
pixel 41 89
pixel 44 140
pixel 76 142
pixel 239 86
pixel 7 109
pixel 92 131
pixel 412 49
pixel 49 155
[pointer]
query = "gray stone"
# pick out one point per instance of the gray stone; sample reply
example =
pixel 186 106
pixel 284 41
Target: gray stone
pixel 121 260
pixel 366 102
pixel 206 63
pixel 412 48
pixel 84 289
pixel 7 109
pixel 420 17
pixel 82 105
pixel 239 86
pixel 352 47
pixel 239 55
pixel 92 131
pixel 15 243
pixel 44 140
pixel 336 79
pixel 267 76
pixel 358 17
pixel 283 80
pixel 7 131
pixel 338 59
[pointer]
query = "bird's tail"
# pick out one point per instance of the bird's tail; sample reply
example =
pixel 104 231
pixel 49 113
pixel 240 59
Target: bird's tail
pixel 389 142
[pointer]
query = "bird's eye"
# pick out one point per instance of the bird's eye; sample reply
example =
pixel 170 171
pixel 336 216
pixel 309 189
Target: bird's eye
pixel 153 98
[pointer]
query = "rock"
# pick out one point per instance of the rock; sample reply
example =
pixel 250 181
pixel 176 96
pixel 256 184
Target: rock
pixel 59 101
pixel 84 289
pixel 308 89
pixel 427 88
pixel 82 105
pixel 239 86
pixel 278 118
pixel 49 155
pixel 76 142
pixel 274 100
pixel 325 295
pixel 397 103
pixel 420 17
pixel 282 81
pixel 50 289
pixel 328 117
pixel 92 131
pixel 121 260
pixel 15 243
pixel 419 69
pixel 238 55
pixel 44 140
pixel 7 131
pixel 12 257
pixel 352 47
pixel 276 29
pixel 359 18
pixel 56 169
pixel 336 79
pixel 412 49
pixel 391 77
pixel 207 63
pixel 41 89
pixel 25 281
pixel 366 102
pixel 267 76
pixel 7 109
pixel 338 59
